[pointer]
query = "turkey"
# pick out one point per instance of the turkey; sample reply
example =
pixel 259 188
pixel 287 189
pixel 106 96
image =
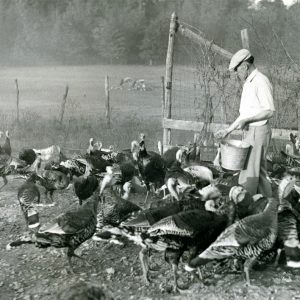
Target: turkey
pixel 113 210
pixel 75 166
pixel 84 187
pixel 128 155
pixel 244 202
pixel 293 149
pixel 192 230
pixel 91 146
pixel 114 178
pixel 107 154
pixel 191 154
pixel 135 227
pixel 5 159
pixel 51 154
pixel 200 174
pixel 93 160
pixel 51 180
pixel 288 217
pixel 178 178
pixel 70 229
pixel 151 167
pixel 113 204
pixel 287 238
pixel 290 160
pixel 170 156
pixel 6 148
pixel 97 164
pixel 123 174
pixel 27 155
pixel 247 205
pixel 128 171
pixel 246 238
pixel 29 197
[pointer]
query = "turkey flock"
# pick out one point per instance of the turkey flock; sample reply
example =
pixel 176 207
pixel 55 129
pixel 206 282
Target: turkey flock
pixel 192 211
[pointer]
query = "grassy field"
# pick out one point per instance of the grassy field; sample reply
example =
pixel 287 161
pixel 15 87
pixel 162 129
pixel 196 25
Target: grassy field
pixel 42 89
pixel 41 93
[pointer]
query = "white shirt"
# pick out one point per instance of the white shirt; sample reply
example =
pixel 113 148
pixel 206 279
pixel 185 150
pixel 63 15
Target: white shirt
pixel 257 95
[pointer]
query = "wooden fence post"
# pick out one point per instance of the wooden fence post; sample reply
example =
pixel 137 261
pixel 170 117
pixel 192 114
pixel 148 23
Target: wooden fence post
pixel 245 38
pixel 298 115
pixel 18 94
pixel 63 105
pixel 168 83
pixel 163 95
pixel 107 102
pixel 162 107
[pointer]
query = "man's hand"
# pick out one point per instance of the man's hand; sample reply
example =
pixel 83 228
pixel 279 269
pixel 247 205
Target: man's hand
pixel 221 134
pixel 241 124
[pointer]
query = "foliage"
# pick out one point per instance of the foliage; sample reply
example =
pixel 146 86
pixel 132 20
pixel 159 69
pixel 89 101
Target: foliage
pixel 132 31
pixel 152 48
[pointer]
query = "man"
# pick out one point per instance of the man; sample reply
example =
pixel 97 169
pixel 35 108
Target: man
pixel 256 108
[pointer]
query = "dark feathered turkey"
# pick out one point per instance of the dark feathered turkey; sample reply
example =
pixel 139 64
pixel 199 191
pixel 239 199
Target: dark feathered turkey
pixel 246 239
pixel 98 164
pixel 192 230
pixel 70 229
pixel 28 155
pixel 170 156
pixel 84 187
pixel 136 227
pixel 114 210
pixel 151 167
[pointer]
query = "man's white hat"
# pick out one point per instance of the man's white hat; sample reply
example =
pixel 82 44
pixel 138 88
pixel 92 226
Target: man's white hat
pixel 238 58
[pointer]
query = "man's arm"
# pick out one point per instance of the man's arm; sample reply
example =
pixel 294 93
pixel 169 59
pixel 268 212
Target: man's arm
pixel 241 123
pixel 221 134
pixel 263 115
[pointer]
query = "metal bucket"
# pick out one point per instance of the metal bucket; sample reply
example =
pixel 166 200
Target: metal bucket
pixel 234 154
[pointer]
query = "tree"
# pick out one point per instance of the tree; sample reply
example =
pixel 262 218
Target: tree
pixel 155 41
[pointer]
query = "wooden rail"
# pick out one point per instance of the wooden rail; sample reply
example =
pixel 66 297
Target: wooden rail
pixel 202 41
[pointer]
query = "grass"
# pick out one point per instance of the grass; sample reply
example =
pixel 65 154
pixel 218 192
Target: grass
pixel 42 90
pixel 41 93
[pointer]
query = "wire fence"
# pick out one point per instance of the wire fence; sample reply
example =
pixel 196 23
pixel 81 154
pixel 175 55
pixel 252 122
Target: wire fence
pixel 204 90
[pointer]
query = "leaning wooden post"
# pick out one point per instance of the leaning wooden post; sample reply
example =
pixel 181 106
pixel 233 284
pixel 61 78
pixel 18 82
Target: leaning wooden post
pixel 18 94
pixel 63 105
pixel 168 79
pixel 298 114
pixel 107 102
pixel 245 38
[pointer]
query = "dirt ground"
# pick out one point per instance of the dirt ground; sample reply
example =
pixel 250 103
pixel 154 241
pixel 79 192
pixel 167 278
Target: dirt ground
pixel 31 273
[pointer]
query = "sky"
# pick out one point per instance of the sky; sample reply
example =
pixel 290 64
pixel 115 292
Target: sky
pixel 288 3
